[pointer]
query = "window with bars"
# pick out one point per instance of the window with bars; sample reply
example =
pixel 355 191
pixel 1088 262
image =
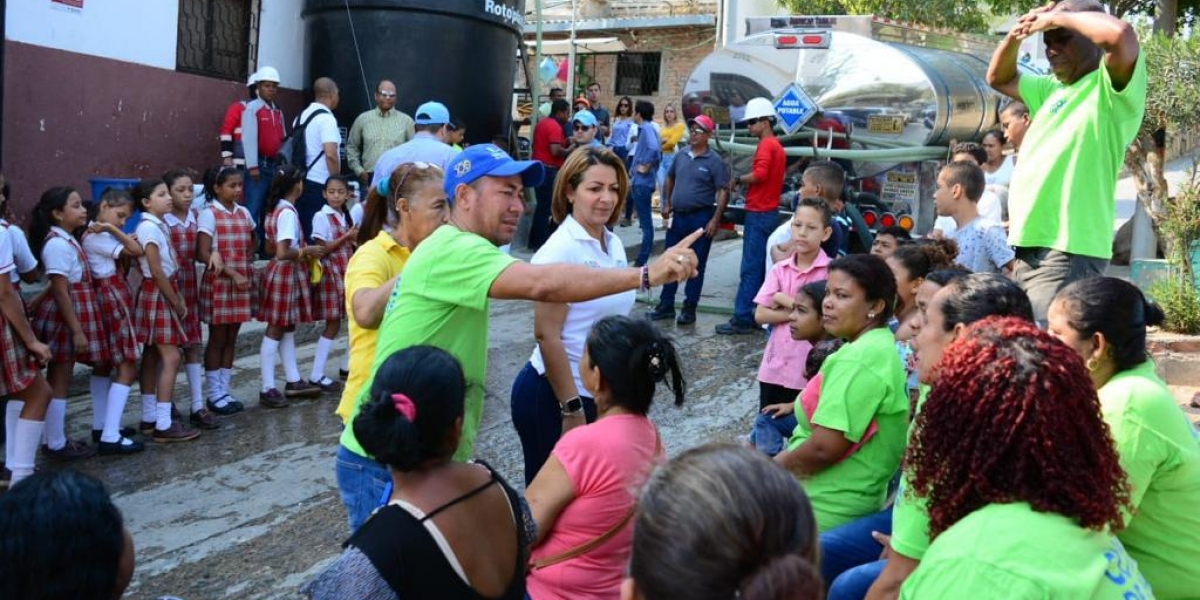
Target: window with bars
pixel 637 73
pixel 217 38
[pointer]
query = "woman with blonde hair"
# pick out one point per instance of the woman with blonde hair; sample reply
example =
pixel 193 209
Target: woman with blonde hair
pixel 548 397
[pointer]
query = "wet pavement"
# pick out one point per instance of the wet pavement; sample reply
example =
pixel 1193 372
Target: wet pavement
pixel 252 510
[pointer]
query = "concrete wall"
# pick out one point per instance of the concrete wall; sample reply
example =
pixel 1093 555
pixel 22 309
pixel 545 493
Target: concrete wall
pixel 94 92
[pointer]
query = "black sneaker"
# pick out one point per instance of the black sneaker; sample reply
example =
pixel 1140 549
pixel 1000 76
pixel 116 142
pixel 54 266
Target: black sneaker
pixel 734 328
pixel 661 313
pixel 687 316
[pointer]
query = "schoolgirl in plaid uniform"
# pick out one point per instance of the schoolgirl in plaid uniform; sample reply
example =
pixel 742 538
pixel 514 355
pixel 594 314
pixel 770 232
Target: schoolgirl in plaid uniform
pixel 105 244
pixel 66 316
pixel 160 310
pixel 23 258
pixel 183 225
pixel 225 244
pixel 335 232
pixel 287 294
pixel 20 374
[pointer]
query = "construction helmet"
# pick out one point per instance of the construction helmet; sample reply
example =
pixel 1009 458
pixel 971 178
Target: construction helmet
pixel 270 74
pixel 758 108
pixel 253 79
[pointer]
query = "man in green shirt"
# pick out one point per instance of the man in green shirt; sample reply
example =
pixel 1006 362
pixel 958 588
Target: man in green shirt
pixel 442 300
pixel 1062 197
pixel 377 131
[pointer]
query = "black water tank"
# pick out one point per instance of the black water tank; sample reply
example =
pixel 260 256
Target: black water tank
pixel 461 53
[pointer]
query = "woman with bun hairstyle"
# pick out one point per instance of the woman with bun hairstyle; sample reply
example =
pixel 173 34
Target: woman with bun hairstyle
pixel 582 498
pixel 699 531
pixel 1104 320
pixel 451 530
pixel 1025 488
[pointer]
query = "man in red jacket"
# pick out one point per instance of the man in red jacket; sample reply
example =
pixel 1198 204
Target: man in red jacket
pixel 232 154
pixel 262 137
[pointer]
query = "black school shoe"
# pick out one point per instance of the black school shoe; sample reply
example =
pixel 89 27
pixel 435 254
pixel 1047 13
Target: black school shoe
pixel 661 313
pixel 687 316
pixel 126 432
pixel 120 447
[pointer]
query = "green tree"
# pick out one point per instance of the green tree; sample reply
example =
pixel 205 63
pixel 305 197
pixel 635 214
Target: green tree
pixel 966 17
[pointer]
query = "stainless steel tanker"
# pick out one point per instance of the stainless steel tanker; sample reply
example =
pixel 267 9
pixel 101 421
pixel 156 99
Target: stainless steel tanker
pixel 901 92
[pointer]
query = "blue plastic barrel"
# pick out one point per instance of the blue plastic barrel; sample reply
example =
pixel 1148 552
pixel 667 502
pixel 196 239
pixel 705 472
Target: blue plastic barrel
pixel 99 184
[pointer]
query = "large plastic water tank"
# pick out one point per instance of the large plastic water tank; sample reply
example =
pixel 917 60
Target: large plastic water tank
pixel 904 93
pixel 459 52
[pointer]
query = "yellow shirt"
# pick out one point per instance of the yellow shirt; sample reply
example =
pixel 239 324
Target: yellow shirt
pixel 373 264
pixel 671 136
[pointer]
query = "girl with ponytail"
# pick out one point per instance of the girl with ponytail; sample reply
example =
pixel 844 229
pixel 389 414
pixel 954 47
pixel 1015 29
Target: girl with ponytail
pixel 699 531
pixel 581 498
pixel 1104 320
pixel 446 523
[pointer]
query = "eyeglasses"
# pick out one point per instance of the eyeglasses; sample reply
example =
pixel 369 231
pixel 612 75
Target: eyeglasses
pixel 387 94
pixel 581 128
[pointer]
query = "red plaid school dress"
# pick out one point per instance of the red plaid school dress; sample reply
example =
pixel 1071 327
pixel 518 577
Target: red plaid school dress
pixel 17 369
pixel 116 310
pixel 330 301
pixel 48 324
pixel 287 295
pixel 156 322
pixel 221 302
pixel 183 239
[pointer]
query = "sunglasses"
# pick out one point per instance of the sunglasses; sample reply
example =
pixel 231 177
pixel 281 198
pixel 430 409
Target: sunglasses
pixel 387 94
pixel 412 166
pixel 750 122
pixel 581 128
pixel 698 131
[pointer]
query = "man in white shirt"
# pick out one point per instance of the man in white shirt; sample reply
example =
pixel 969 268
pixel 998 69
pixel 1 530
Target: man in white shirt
pixel 321 137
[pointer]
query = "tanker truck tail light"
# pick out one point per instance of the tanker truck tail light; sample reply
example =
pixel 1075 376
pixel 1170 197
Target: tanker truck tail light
pixel 907 222
pixel 871 218
pixel 887 220
pixel 802 39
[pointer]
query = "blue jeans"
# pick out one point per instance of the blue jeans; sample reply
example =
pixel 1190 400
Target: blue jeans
pixel 855 583
pixel 770 434
pixel 541 227
pixel 757 229
pixel 664 167
pixel 640 198
pixel 850 546
pixel 256 194
pixel 538 419
pixel 682 225
pixel 310 203
pixel 362 482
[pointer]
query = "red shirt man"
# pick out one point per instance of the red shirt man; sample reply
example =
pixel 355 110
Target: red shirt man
pixel 770 164
pixel 547 134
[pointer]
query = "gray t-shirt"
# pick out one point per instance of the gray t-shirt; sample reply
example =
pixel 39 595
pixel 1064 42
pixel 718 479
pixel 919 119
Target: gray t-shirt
pixel 697 180
pixel 982 246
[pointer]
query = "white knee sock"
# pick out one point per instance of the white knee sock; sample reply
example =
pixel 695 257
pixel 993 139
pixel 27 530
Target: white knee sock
pixel 226 381
pixel 12 412
pixel 287 351
pixel 195 377
pixel 118 394
pixel 163 419
pixel 213 379
pixel 267 357
pixel 27 434
pixel 324 345
pixel 99 388
pixel 149 408
pixel 56 424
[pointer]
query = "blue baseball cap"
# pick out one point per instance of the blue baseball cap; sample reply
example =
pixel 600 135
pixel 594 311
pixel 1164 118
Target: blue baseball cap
pixel 488 160
pixel 432 113
pixel 585 118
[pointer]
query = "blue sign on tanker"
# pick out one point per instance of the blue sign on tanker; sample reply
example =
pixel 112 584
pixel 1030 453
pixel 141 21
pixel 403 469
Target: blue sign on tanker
pixel 794 108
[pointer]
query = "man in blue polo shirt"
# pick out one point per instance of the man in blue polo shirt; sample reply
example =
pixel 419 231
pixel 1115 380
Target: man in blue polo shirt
pixel 694 196
pixel 429 145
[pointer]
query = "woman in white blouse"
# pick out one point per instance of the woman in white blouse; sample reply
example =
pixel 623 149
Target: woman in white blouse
pixel 998 169
pixel 547 396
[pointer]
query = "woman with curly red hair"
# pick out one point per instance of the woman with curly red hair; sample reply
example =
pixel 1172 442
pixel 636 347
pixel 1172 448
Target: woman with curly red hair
pixel 1023 483
pixel 1104 320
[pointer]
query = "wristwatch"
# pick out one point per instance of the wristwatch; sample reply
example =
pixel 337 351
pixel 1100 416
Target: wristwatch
pixel 571 406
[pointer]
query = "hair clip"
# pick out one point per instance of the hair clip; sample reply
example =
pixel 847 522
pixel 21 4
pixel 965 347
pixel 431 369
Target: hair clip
pixel 405 406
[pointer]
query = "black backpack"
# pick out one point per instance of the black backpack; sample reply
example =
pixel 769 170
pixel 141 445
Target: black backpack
pixel 294 146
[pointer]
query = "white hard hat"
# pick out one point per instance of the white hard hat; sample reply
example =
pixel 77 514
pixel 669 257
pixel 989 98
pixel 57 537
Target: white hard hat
pixel 757 108
pixel 253 79
pixel 267 74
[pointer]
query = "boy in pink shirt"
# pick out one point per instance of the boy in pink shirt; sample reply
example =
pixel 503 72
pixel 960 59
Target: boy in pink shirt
pixel 781 375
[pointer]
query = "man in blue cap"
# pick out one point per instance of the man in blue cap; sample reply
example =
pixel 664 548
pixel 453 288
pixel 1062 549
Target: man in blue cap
pixel 442 298
pixel 584 129
pixel 429 145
